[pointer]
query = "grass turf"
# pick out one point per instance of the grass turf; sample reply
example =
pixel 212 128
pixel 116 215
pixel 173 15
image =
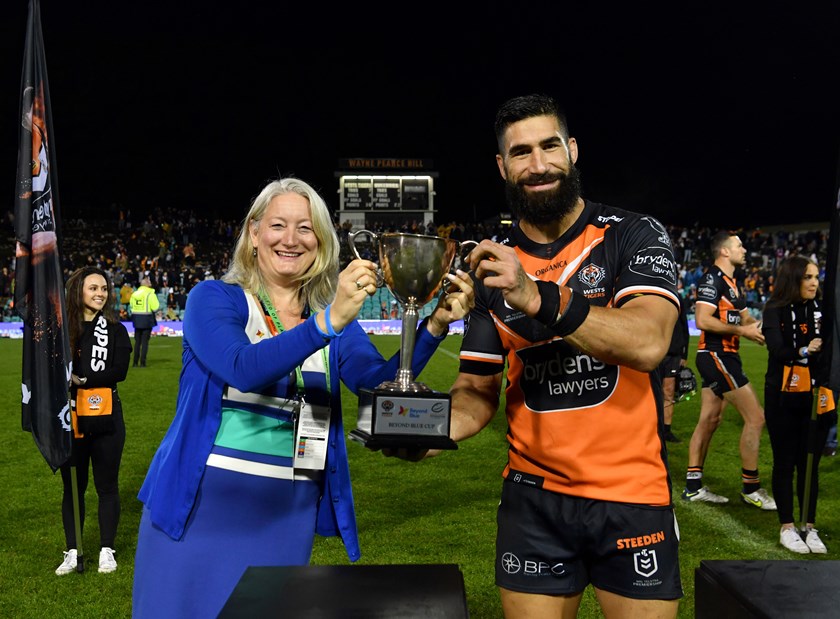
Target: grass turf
pixel 441 510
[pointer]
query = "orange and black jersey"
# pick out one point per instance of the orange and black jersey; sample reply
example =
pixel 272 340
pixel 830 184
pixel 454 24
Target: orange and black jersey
pixel 578 425
pixel 720 291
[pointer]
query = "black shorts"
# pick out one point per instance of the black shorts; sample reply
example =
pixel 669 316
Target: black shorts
pixel 555 544
pixel 670 366
pixel 721 371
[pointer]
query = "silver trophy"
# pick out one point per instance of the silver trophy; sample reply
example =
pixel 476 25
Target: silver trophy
pixel 404 412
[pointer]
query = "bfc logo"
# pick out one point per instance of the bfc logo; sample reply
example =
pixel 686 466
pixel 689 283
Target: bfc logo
pixel 513 565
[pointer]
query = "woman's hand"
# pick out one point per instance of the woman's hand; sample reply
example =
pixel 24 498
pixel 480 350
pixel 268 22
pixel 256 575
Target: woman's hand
pixel 456 302
pixel 355 284
pixel 815 345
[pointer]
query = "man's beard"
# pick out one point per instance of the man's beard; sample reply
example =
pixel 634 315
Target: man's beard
pixel 545 207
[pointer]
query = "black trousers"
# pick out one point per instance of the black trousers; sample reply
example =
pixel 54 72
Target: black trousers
pixel 141 345
pixel 104 452
pixel 789 428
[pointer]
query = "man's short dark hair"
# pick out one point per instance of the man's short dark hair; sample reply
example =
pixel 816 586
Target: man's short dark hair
pixel 528 106
pixel 719 240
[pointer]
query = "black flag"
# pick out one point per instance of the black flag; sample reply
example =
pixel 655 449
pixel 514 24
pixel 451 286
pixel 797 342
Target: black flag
pixel 39 284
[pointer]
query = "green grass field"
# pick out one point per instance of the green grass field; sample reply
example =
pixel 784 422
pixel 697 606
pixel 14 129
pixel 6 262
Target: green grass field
pixel 441 510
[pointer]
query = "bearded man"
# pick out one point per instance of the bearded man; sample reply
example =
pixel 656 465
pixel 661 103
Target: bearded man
pixel 578 304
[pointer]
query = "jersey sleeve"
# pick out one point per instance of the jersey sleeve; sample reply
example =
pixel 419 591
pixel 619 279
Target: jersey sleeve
pixel 709 290
pixel 482 351
pixel 646 261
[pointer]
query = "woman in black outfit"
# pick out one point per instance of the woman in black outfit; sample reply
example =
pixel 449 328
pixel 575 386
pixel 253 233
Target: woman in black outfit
pixel 791 327
pixel 101 351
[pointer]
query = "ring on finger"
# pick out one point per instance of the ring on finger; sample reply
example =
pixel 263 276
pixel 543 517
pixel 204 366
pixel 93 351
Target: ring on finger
pixel 359 285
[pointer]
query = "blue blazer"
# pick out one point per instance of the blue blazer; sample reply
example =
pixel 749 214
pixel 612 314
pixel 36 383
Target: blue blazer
pixel 217 352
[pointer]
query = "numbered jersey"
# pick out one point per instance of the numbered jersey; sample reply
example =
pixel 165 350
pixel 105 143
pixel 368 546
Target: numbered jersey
pixel 718 290
pixel 578 425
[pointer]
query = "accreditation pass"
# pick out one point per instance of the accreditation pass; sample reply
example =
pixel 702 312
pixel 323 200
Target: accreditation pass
pixel 313 429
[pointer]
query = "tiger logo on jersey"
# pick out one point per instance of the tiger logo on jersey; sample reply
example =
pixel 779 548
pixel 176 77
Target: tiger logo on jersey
pixel 591 275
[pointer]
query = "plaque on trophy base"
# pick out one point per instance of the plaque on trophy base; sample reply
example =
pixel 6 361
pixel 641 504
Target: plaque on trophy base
pixel 392 419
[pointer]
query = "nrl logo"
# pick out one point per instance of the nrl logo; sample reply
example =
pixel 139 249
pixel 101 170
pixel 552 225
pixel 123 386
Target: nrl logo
pixel 644 563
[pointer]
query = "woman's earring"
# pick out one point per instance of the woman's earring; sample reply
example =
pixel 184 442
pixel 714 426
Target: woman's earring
pixel 254 252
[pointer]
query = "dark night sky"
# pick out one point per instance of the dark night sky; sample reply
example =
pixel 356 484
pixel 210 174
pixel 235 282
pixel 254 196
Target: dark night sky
pixel 709 112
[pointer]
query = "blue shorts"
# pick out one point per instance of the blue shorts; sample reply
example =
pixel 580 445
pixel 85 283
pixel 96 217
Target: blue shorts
pixel 555 544
pixel 721 371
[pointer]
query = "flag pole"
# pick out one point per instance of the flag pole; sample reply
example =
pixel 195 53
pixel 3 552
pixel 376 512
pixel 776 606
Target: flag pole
pixel 809 464
pixel 77 521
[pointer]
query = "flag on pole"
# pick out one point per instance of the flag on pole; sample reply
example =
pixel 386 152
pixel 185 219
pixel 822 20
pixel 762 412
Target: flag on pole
pixel 39 284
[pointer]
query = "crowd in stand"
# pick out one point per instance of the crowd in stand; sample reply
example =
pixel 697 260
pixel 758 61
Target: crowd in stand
pixel 177 249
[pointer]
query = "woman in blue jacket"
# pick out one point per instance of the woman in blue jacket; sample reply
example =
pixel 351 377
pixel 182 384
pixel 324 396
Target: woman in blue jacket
pixel 255 463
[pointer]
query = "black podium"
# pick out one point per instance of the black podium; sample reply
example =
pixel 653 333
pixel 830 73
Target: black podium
pixel 767 589
pixel 349 592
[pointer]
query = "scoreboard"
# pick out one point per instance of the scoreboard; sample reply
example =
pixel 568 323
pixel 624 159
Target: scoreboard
pixel 389 193
pixel 385 189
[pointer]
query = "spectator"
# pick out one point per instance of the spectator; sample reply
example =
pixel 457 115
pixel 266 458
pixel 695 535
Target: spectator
pixel 101 349
pixel 126 290
pixel 144 304
pixel 791 327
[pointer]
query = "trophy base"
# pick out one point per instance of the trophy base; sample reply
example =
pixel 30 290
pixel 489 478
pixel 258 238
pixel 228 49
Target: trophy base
pixel 403 419
pixel 398 442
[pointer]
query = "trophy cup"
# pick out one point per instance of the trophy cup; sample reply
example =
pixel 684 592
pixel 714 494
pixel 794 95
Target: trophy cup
pixel 403 412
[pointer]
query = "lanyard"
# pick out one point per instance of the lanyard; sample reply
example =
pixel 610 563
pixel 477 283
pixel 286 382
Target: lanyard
pixel 276 328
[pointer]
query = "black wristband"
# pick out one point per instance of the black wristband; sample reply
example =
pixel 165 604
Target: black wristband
pixel 577 309
pixel 549 302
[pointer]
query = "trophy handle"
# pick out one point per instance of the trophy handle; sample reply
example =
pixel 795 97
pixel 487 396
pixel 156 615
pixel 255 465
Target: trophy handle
pixel 351 239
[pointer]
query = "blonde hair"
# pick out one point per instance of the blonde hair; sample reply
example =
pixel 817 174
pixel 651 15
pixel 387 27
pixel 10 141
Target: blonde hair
pixel 317 285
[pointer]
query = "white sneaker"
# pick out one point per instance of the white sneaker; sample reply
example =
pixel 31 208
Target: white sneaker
pixel 815 544
pixel 704 494
pixel 69 563
pixel 107 563
pixel 791 540
pixel 760 499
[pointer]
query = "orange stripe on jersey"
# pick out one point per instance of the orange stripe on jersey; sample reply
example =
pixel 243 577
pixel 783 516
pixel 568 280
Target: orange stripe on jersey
pixel 568 260
pixel 475 356
pixel 633 291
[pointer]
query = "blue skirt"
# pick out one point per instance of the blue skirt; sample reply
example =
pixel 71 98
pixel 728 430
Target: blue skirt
pixel 238 520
